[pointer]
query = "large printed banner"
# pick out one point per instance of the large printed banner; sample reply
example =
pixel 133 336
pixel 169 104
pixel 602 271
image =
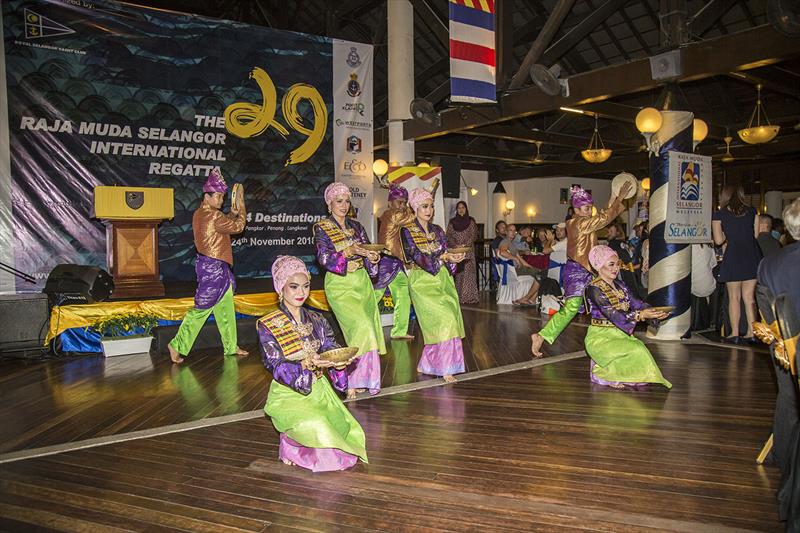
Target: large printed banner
pixel 101 93
pixel 689 199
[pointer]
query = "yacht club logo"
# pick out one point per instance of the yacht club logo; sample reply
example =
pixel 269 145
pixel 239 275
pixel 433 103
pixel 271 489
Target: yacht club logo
pixel 353 87
pixel 37 26
pixel 353 59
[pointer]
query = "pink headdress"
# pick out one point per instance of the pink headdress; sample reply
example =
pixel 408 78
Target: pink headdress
pixel 417 196
pixel 334 190
pixel 600 255
pixel 215 182
pixel 397 192
pixel 580 197
pixel 284 267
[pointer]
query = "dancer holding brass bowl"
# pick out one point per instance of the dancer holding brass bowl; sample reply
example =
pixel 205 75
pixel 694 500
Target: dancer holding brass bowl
pixel 619 359
pixel 348 287
pixel 215 282
pixel 433 291
pixel 317 432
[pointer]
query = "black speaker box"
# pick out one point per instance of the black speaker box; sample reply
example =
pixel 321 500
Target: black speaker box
pixel 23 318
pixel 451 176
pixel 74 284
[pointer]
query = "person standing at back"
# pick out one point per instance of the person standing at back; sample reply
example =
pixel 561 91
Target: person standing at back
pixel 768 244
pixel 735 225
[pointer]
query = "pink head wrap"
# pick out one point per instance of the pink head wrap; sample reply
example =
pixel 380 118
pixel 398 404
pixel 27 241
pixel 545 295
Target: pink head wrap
pixel 284 267
pixel 215 182
pixel 581 197
pixel 396 192
pixel 334 190
pixel 417 196
pixel 600 255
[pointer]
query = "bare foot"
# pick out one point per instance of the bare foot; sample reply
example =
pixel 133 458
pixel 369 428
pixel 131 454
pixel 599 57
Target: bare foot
pixel 174 355
pixel 287 462
pixel 241 352
pixel 403 338
pixel 449 379
pixel 536 345
pixel 616 385
pixel 351 394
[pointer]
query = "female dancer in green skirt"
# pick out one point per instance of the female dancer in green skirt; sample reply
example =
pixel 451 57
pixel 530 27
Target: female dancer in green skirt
pixel 348 287
pixel 433 291
pixel 317 431
pixel 618 358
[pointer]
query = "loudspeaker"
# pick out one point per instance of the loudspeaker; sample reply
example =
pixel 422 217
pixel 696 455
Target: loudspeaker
pixel 23 317
pixel 78 284
pixel 451 176
pixel 666 66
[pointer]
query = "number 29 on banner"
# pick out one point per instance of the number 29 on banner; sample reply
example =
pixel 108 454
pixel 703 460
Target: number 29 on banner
pixel 247 120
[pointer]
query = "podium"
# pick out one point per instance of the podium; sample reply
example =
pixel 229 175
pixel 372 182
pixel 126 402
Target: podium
pixel 132 216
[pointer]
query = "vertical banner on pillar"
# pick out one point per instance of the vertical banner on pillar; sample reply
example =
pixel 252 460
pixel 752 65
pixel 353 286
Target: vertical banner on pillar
pixel 352 124
pixel 688 199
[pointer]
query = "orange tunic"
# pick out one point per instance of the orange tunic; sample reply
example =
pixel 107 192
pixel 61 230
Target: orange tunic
pixel 389 229
pixel 582 236
pixel 212 232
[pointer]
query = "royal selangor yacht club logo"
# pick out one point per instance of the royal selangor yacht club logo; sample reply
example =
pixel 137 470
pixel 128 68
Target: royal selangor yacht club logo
pixel 37 26
pixel 354 144
pixel 353 87
pixel 690 181
pixel 353 59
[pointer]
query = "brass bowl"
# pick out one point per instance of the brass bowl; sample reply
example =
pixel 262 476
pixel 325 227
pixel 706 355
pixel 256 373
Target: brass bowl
pixel 373 247
pixel 339 355
pixel 459 249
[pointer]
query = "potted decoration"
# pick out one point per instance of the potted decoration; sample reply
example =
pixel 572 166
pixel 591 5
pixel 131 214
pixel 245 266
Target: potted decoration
pixel 386 308
pixel 125 334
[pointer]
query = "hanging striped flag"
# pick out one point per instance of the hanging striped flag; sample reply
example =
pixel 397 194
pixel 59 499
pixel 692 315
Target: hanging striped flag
pixel 472 58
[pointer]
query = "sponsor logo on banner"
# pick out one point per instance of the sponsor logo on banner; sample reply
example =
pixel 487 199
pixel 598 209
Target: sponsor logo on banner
pixel 353 59
pixel 353 124
pixel 37 26
pixel 353 87
pixel 358 107
pixel 355 165
pixel 688 217
pixel 690 181
pixel 353 144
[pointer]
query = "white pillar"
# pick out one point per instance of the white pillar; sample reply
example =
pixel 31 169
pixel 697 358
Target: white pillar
pixel 774 201
pixel 400 21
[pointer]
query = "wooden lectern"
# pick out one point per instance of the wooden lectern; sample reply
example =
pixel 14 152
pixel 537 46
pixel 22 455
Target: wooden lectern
pixel 132 216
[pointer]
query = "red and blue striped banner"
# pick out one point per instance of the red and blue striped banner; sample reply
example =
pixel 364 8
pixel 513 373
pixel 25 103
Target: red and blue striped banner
pixel 472 57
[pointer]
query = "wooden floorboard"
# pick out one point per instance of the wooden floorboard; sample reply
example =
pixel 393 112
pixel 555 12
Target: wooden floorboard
pixel 540 449
pixel 60 401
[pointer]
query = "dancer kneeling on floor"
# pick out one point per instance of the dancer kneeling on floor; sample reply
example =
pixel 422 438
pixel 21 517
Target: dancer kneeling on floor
pixel 317 431
pixel 433 292
pixel 618 358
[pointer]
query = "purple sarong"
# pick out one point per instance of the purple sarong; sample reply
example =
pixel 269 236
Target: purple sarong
pixel 365 373
pixel 315 459
pixel 213 279
pixel 443 359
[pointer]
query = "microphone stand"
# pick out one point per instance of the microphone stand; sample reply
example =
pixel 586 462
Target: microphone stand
pixel 18 273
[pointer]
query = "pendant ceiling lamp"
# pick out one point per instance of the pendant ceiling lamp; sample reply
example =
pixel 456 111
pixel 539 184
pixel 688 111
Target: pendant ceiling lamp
pixel 758 133
pixel 596 152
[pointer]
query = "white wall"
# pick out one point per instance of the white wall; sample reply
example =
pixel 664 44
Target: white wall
pixel 542 195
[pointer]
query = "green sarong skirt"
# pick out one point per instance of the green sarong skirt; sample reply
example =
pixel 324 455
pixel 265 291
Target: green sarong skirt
pixel 436 304
pixel 352 300
pixel 620 357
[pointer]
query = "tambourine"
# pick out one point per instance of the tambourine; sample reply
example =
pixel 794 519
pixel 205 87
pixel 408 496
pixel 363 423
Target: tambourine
pixel 237 197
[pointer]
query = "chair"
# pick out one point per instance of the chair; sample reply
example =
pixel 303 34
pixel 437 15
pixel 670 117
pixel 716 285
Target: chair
pixel 510 287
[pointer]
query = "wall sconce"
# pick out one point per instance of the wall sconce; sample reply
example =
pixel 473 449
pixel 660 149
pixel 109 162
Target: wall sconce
pixel 531 213
pixel 699 132
pixel 510 205
pixel 645 184
pixel 648 121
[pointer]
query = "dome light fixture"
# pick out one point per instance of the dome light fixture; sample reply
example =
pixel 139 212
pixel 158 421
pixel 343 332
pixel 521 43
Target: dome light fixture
pixel 596 152
pixel 758 133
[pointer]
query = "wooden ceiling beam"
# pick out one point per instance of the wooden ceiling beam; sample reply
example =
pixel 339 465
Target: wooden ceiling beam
pixel 630 163
pixel 520 134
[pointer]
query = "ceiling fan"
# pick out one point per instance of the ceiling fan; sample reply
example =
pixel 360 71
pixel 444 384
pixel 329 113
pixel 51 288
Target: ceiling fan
pixel 728 157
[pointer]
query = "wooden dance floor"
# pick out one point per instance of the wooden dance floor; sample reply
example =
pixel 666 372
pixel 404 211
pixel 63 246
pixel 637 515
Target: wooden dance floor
pixel 538 449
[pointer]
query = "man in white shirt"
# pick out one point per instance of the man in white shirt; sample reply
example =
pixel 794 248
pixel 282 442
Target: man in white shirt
pixel 558 255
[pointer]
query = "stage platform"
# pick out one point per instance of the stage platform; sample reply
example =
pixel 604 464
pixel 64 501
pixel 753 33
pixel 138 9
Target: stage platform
pixel 517 445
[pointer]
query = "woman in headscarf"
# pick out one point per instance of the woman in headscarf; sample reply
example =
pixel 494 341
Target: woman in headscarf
pixel 618 358
pixel 317 432
pixel 433 292
pixel 462 231
pixel 348 288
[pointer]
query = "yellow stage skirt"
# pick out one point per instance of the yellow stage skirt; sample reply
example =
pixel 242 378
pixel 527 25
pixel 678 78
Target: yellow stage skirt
pixel 80 316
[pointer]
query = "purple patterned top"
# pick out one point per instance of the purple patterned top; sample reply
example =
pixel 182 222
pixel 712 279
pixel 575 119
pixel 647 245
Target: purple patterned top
pixel 214 276
pixel 431 261
pixel 615 304
pixel 334 261
pixel 291 373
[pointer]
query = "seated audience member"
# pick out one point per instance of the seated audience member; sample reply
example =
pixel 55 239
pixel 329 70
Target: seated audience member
pixel 558 252
pixel 628 268
pixel 779 271
pixel 704 260
pixel 508 251
pixel 525 239
pixel 500 234
pixel 768 244
pixel 570 213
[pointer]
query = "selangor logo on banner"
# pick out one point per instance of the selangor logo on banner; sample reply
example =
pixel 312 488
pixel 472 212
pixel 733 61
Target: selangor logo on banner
pixel 37 26
pixel 690 181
